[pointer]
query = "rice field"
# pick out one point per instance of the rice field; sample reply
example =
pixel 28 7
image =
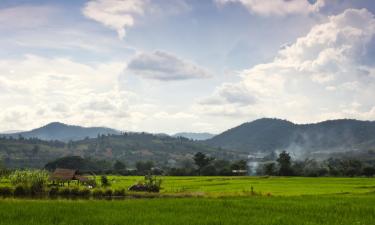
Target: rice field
pixel 223 200
pixel 276 186
pixel 296 210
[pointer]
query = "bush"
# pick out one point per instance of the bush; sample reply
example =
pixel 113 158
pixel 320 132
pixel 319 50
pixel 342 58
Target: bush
pixel 150 184
pixel 119 192
pixel 97 193
pixel 104 180
pixel 5 191
pixel 35 180
pixel 74 192
pixel 108 193
pixel 84 192
pixel 53 192
pixel 64 192
pixel 20 191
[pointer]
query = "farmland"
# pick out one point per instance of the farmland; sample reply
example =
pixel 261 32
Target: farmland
pixel 224 200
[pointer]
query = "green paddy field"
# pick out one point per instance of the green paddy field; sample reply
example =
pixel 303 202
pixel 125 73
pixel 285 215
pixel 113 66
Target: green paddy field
pixel 213 200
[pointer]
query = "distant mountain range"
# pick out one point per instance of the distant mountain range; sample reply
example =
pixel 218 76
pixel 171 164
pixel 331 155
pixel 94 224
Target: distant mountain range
pixel 195 136
pixel 63 132
pixel 264 136
pixel 267 135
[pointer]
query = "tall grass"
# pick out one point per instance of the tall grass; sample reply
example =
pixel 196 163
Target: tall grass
pixel 307 210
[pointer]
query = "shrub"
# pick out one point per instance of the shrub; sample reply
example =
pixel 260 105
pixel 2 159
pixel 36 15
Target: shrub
pixel 84 192
pixel 150 184
pixel 74 192
pixel 108 193
pixel 104 180
pixel 53 192
pixel 5 191
pixel 33 179
pixel 119 192
pixel 20 191
pixel 97 193
pixel 64 192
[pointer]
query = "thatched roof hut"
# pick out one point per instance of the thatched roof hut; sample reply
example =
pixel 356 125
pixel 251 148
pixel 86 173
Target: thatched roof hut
pixel 63 175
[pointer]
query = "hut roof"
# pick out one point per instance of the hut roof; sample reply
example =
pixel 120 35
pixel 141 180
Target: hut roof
pixel 63 174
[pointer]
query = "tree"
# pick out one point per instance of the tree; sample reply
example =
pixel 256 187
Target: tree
pixel 119 166
pixel 269 169
pixel 144 167
pixel 201 160
pixel 284 161
pixel 239 165
pixel 369 171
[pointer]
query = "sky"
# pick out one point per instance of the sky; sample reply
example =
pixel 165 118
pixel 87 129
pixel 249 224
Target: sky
pixel 166 66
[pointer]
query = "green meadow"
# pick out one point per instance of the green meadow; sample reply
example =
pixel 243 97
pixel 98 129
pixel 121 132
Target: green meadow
pixel 234 186
pixel 213 200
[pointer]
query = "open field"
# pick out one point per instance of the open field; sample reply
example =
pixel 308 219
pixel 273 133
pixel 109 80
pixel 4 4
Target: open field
pixel 226 200
pixel 237 186
pixel 302 210
pixel 234 186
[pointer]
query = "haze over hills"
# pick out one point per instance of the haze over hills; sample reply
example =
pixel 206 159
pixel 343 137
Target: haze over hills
pixel 63 132
pixel 268 135
pixel 194 136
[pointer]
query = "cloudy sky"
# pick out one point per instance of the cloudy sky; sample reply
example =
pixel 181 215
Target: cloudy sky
pixel 184 65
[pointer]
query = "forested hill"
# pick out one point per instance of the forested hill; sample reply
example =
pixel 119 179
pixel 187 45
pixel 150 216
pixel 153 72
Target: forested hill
pixel 127 147
pixel 63 132
pixel 194 136
pixel 267 135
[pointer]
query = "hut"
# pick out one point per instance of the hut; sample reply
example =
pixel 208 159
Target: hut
pixel 61 176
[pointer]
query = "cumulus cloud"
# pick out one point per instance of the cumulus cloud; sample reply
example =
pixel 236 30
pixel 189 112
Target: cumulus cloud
pixel 164 66
pixel 50 89
pixel 319 76
pixel 115 14
pixel 277 7
pixel 120 15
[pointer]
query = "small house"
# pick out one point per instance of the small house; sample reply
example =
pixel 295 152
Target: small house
pixel 67 175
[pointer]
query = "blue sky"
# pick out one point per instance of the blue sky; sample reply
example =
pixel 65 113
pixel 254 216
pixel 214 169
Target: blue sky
pixel 184 65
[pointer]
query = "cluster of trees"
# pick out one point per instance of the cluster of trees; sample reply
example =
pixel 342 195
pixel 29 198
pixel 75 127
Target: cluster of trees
pixel 285 166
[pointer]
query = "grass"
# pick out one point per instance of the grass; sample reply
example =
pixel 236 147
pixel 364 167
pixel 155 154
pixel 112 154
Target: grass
pixel 293 201
pixel 297 210
pixel 234 186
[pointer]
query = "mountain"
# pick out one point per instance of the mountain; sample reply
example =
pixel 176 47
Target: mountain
pixel 269 135
pixel 126 147
pixel 62 132
pixel 195 136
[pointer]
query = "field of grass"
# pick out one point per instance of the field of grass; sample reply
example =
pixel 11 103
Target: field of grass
pixel 234 186
pixel 226 200
pixel 297 210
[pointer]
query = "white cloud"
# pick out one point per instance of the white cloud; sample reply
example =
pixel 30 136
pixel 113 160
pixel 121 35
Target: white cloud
pixel 120 15
pixel 25 16
pixel 164 66
pixel 115 14
pixel 311 78
pixel 277 7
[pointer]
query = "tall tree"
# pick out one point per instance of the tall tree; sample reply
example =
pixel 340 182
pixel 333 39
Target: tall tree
pixel 285 163
pixel 201 160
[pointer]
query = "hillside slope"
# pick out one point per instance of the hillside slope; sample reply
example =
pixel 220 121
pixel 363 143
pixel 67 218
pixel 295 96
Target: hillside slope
pixel 63 132
pixel 267 135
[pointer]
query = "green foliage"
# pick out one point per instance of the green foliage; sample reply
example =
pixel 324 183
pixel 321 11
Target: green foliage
pixel 97 193
pixel 119 192
pixel 5 191
pixel 201 160
pixel 20 191
pixel 35 180
pixel 144 167
pixel 285 163
pixel 104 181
pixel 306 210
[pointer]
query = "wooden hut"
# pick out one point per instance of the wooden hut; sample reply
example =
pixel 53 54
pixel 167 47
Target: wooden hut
pixel 67 175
